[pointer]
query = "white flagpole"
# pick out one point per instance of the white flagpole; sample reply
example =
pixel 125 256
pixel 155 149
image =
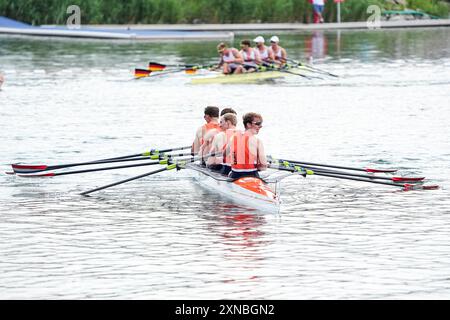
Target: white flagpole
pixel 339 12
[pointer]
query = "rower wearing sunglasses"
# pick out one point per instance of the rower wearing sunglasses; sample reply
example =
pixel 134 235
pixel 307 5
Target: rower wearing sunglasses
pixel 230 59
pixel 246 150
pixel 279 52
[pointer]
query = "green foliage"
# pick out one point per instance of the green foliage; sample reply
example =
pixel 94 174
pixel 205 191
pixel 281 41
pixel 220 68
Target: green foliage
pixel 197 11
pixel 434 7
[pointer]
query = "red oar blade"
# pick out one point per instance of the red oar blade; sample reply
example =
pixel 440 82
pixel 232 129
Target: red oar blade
pixel 140 73
pixel 154 66
pixel 409 187
pixel 407 179
pixel 39 175
pixel 28 168
pixel 371 170
pixel 430 187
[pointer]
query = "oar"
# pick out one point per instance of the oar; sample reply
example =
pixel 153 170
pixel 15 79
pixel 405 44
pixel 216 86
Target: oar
pixel 142 73
pixel 27 168
pixel 370 170
pixel 298 74
pixel 312 68
pixel 175 165
pixel 156 66
pixel 321 170
pixel 54 174
pixel 167 72
pixel 274 68
pixel 163 159
pixel 406 186
pixel 169 167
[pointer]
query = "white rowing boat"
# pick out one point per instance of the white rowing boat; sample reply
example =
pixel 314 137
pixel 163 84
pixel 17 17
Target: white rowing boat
pixel 245 77
pixel 248 191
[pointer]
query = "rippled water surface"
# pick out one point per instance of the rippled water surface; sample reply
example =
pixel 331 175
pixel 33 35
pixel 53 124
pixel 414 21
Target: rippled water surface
pixel 164 236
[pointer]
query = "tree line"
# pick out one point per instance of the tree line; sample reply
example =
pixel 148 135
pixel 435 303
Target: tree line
pixel 199 11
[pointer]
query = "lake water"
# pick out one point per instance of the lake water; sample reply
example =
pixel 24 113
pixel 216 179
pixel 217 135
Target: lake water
pixel 164 237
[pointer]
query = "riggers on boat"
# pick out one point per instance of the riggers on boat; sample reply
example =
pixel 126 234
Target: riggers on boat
pixel 248 191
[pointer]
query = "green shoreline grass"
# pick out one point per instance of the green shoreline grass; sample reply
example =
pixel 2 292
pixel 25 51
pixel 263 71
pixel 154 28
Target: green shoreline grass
pixel 200 11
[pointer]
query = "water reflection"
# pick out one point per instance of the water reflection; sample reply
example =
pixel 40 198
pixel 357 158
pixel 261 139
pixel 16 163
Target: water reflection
pixel 165 236
pixel 241 229
pixel 316 46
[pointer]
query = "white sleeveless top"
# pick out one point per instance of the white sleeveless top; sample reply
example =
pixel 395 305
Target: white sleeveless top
pixel 229 57
pixel 278 55
pixel 264 54
pixel 246 57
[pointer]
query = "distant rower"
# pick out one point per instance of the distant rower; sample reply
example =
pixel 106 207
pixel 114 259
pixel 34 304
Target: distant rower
pixel 230 59
pixel 250 55
pixel 265 53
pixel 279 53
pixel 246 150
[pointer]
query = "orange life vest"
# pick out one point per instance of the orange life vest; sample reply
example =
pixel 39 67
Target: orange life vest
pixel 227 157
pixel 206 127
pixel 243 159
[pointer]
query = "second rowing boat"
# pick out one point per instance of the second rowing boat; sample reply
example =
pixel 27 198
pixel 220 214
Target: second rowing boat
pixel 245 77
pixel 249 191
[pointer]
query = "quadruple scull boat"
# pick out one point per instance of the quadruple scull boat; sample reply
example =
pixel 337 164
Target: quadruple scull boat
pixel 248 191
pixel 246 77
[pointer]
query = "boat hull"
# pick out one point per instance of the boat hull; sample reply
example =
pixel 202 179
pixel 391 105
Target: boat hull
pixel 248 191
pixel 248 77
pixel 239 78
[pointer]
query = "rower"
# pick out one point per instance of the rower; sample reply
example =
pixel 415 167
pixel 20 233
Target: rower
pixel 250 55
pixel 221 161
pixel 205 148
pixel 227 110
pixel 279 53
pixel 211 116
pixel 247 151
pixel 265 53
pixel 230 59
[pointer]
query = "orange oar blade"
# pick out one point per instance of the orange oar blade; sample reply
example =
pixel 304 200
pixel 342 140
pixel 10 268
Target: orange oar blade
pixel 190 71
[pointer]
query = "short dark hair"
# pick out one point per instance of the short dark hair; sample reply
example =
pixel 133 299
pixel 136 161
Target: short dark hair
pixel 227 110
pixel 212 111
pixel 249 117
pixel 246 42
